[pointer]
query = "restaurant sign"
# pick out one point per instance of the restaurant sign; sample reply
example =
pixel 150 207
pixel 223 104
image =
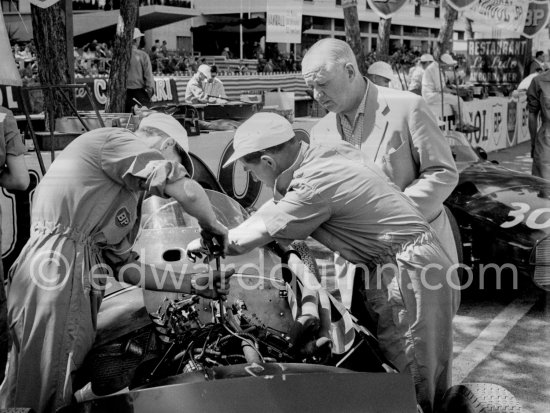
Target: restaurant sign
pixel 496 61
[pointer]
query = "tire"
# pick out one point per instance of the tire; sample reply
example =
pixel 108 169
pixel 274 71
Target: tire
pixel 479 398
pixel 456 234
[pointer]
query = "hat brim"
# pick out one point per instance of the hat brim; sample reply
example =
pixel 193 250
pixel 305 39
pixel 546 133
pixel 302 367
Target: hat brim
pixel 233 158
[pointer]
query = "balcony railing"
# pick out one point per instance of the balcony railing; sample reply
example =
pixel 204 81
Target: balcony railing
pixel 115 4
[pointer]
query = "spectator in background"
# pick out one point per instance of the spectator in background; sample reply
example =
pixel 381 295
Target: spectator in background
pixel 538 96
pixel 434 90
pixel 140 85
pixel 194 91
pixel 380 73
pixel 415 84
pixel 213 87
pixel 537 64
pixel 13 176
pixel 269 66
pixel 227 53
pixel 164 49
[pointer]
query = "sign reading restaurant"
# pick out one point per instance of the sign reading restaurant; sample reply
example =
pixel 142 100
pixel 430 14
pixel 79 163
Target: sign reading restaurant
pixel 496 61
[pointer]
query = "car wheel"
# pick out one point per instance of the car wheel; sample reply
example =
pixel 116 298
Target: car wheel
pixel 456 235
pixel 479 398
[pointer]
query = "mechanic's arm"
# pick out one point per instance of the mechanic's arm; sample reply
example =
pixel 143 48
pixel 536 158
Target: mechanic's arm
pixel 437 174
pixel 194 201
pixel 15 175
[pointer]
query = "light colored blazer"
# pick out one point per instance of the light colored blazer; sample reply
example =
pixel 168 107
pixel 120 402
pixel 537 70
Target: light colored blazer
pixel 401 136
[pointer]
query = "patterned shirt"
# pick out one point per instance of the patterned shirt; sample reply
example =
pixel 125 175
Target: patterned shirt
pixel 353 132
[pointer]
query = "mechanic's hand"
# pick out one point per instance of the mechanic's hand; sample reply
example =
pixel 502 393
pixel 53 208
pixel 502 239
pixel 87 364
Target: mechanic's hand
pixel 150 92
pixel 196 249
pixel 214 285
pixel 216 238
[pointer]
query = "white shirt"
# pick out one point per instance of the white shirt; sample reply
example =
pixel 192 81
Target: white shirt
pixel 214 88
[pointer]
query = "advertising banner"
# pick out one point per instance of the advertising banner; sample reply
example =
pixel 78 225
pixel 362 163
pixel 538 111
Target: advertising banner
pixel 491 116
pixel 503 14
pixel 386 8
pixel 496 61
pixel 165 92
pixel 10 97
pixel 537 18
pixel 9 73
pixel 460 5
pixel 284 21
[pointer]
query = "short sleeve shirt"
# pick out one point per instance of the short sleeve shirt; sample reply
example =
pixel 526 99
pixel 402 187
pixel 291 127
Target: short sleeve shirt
pixel 96 185
pixel 345 202
pixel 10 139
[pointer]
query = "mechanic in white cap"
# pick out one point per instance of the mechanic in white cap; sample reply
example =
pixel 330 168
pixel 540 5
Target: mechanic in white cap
pixel 195 91
pixel 415 84
pixel 380 73
pixel 333 193
pixel 140 85
pixel 435 91
pixel 85 219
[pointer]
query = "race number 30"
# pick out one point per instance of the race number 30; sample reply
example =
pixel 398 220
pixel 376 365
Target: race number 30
pixel 532 218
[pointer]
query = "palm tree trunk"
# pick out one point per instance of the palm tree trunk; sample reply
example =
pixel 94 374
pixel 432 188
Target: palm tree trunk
pixel 122 52
pixel 444 40
pixel 384 31
pixel 353 35
pixel 48 26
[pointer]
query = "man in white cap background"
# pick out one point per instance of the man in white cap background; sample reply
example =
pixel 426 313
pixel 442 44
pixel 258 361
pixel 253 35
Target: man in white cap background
pixel 435 91
pixel 85 218
pixel 333 193
pixel 140 84
pixel 415 84
pixel 381 74
pixel 195 91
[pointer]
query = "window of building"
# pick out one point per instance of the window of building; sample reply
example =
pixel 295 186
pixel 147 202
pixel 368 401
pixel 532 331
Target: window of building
pixel 437 12
pixel 460 35
pixel 10 5
pixel 338 2
pixel 364 27
pixel 395 29
pixel 339 25
pixel 321 23
pixel 367 5
pixel 374 28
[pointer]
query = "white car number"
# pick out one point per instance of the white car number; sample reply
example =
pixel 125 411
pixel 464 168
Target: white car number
pixel 520 213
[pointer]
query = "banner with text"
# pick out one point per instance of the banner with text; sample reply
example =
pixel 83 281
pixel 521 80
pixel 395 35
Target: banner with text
pixel 165 92
pixel 496 61
pixel 284 21
pixel 503 14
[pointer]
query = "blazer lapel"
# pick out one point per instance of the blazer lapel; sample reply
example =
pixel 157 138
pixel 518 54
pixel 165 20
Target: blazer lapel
pixel 375 123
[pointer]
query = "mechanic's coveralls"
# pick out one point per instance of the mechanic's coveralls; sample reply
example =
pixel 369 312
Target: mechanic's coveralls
pixel 10 144
pixel 85 214
pixel 538 101
pixel 333 193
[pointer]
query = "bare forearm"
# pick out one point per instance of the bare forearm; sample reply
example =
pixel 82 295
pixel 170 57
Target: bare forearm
pixel 251 234
pixel 193 199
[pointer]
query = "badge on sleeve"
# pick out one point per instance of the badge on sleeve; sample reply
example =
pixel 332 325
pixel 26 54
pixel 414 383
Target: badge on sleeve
pixel 122 217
